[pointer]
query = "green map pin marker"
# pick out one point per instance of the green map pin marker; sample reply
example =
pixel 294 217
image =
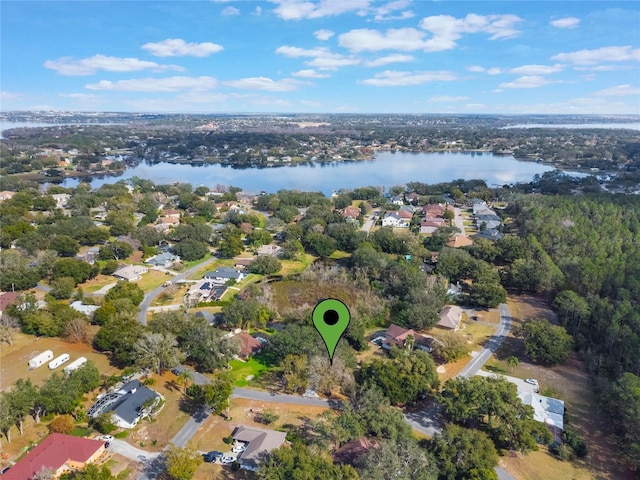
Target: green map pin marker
pixel 331 318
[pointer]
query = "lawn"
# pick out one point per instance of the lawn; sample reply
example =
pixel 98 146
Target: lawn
pixel 245 372
pixel 171 295
pixel 152 280
pixel 292 267
pixel 97 283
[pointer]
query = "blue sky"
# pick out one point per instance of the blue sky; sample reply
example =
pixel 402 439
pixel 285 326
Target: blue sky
pixel 357 56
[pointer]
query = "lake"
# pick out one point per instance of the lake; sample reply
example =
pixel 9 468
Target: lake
pixel 385 169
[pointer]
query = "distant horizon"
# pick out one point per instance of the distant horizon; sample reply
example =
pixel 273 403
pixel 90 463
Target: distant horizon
pixel 324 56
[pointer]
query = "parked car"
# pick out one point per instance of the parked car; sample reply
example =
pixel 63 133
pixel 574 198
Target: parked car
pixel 239 448
pixel 210 457
pixel 107 444
pixel 106 438
pixel 531 381
pixel 227 460
pixel 4 470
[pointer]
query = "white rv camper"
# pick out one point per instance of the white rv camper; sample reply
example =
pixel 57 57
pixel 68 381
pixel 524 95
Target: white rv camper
pixel 40 359
pixel 76 364
pixel 56 362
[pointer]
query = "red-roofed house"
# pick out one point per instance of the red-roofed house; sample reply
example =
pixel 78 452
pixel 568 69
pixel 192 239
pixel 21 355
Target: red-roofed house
pixel 351 451
pixel 248 345
pixel 351 212
pixel 6 299
pixel 396 335
pixel 59 453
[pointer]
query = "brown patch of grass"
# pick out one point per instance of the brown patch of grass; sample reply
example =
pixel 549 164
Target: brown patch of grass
pixel 541 465
pixel 172 295
pixel 292 294
pixel 14 358
pixel 97 283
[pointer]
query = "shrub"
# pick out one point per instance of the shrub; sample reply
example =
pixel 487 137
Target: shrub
pixel 62 424
pixel 103 424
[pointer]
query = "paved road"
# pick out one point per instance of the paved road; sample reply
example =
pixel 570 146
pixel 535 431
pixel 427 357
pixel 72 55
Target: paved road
pixel 371 221
pixel 492 345
pixel 458 220
pixel 150 297
pixel 190 428
pixel 279 397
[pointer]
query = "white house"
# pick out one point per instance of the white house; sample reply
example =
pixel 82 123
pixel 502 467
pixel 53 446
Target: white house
pixel 392 219
pixel 130 273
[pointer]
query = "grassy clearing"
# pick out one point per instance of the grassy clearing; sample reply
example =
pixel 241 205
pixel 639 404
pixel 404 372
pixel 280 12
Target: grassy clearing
pixel 246 372
pixel 97 283
pixel 293 294
pixel 292 267
pixel 152 280
pixel 542 466
pixel 339 254
pixel 172 295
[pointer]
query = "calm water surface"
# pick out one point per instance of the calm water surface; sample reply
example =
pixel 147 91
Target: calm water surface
pixel 386 169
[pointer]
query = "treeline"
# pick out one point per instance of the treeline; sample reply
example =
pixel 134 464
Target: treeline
pixel 592 240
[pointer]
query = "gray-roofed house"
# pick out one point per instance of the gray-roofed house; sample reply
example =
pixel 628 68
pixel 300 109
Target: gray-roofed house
pixel 450 317
pixel 223 275
pixel 258 442
pixel 165 260
pixel 130 272
pixel 490 234
pixel 547 410
pixel 126 404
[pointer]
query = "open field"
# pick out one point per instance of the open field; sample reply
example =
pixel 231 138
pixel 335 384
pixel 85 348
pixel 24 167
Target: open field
pixel 245 372
pixel 173 294
pixel 292 267
pixel 14 358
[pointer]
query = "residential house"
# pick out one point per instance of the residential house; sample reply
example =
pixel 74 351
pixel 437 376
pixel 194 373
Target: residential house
pixel 130 273
pixel 429 225
pixel 165 260
pixel 450 318
pixel 434 210
pixel 351 213
pixel 205 291
pixel 171 213
pixel 88 310
pixel 168 221
pixel 273 250
pixel 405 214
pixel 223 275
pixel 6 195
pixel 392 219
pixel 397 200
pixel 243 262
pixel 412 197
pixel 61 199
pixel 490 234
pixel 547 410
pixel 397 336
pixel 128 404
pixel 6 299
pixel 58 453
pixel 350 452
pixel 90 256
pixel 259 442
pixel 248 345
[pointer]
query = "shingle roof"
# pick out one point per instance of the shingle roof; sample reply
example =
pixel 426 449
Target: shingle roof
pixel 260 442
pixel 224 272
pixel 53 452
pixel 128 406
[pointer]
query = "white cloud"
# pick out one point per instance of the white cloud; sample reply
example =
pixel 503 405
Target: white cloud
pixel 167 84
pixel 258 11
pixel 391 78
pixel 79 96
pixel 527 81
pixel 447 98
pixel 567 22
pixel 310 73
pixel 488 71
pixel 323 34
pixel 176 47
pixel 322 57
pixel 536 69
pixel 299 9
pixel 4 95
pixel 476 69
pixel 364 39
pixel 310 103
pixel 230 11
pixel 445 31
pixel 383 13
pixel 89 66
pixel 604 54
pixel 494 71
pixel 266 84
pixel 625 90
pixel 395 58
